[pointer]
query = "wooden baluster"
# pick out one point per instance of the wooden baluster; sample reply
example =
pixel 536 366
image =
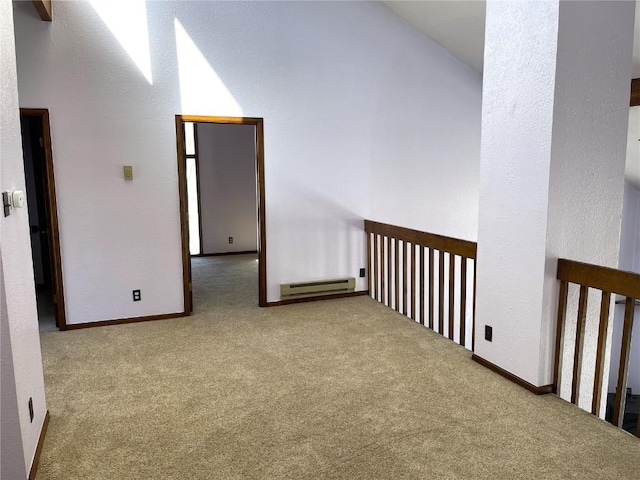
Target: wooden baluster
pixel 431 302
pixel 404 278
pixel 463 301
pixel 422 251
pixel 602 340
pixel 577 355
pixel 452 288
pixel 369 260
pixel 397 275
pixel 441 293
pixel 375 266
pixel 562 313
pixel 623 369
pixel 413 282
pixel 389 243
pixel 384 292
pixel 473 319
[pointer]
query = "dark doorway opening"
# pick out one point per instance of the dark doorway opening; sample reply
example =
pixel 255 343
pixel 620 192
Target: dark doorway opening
pixel 43 220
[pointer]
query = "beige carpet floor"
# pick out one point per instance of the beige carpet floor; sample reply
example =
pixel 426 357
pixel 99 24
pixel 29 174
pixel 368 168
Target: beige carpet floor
pixel 342 389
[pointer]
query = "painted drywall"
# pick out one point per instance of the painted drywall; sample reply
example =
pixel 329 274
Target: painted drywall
pixel 514 179
pixel 588 156
pixel 338 103
pixel 630 261
pixel 227 180
pixel 552 170
pixel 632 167
pixel 425 151
pixel 21 361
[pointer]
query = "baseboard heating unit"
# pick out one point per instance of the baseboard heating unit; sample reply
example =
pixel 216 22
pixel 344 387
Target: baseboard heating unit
pixel 320 287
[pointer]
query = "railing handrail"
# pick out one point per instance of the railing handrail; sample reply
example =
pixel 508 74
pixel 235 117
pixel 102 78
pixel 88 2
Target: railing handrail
pixel 609 281
pixel 606 279
pixel 464 248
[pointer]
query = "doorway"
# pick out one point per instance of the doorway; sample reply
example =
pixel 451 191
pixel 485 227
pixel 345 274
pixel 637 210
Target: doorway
pixel 197 237
pixel 43 218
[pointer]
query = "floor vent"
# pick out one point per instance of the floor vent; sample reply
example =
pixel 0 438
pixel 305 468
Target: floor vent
pixel 321 287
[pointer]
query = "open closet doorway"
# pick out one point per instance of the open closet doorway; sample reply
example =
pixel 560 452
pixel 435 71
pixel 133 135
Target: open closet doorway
pixel 221 187
pixel 43 218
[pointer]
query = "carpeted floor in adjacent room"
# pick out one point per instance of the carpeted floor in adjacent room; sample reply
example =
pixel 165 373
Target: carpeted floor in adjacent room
pixel 341 389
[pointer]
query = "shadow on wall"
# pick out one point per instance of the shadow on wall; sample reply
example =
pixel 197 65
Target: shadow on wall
pixel 320 229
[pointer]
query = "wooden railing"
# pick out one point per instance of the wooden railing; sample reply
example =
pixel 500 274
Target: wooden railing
pixel 609 282
pixel 426 277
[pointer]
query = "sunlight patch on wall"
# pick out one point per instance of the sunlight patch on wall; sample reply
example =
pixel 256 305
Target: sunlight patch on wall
pixel 127 20
pixel 201 89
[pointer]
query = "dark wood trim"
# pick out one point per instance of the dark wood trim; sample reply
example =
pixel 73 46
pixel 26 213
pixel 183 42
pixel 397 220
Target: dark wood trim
pixel 605 303
pixel 635 92
pixel 623 368
pixel 602 278
pixel 335 296
pixel 184 215
pixel 560 323
pixel 579 343
pixel 45 9
pixel 224 254
pixel 262 225
pixel 260 197
pixel 375 267
pixel 543 390
pixel 52 215
pixel 455 246
pixel 36 458
pixel 121 321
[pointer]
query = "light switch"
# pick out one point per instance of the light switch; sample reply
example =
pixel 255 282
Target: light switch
pixel 18 199
pixel 128 172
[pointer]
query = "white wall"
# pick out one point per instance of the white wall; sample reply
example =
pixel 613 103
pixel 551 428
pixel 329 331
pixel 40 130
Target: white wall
pixel 343 87
pixel 227 176
pixel 552 166
pixel 425 148
pixel 20 362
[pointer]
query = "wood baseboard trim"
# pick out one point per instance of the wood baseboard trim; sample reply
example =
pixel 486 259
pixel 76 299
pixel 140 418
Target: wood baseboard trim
pixel 121 321
pixel 36 457
pixel 291 301
pixel 543 390
pixel 224 254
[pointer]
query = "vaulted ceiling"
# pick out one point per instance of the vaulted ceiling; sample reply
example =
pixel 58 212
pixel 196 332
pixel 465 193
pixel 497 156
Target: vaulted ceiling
pixel 458 25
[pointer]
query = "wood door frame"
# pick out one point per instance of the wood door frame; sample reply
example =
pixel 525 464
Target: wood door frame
pixel 52 215
pixel 260 198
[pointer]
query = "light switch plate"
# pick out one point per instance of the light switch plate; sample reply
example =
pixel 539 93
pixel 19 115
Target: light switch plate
pixel 127 171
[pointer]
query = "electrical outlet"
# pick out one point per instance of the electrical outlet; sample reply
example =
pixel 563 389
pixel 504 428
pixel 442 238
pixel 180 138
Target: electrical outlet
pixel 230 239
pixel 31 409
pixel 136 296
pixel 488 333
pixel 362 272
